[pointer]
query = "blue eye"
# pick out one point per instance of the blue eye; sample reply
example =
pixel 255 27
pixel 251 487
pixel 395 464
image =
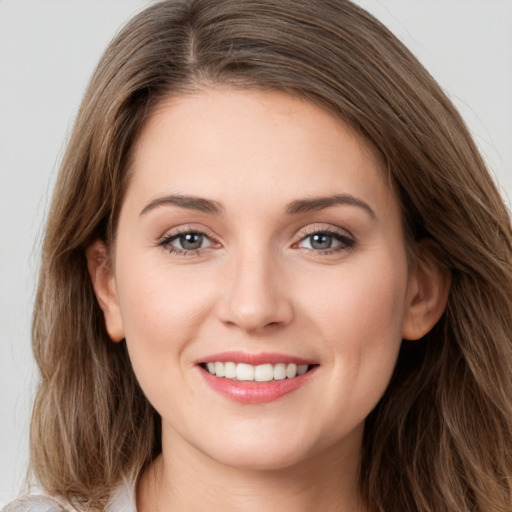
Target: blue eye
pixel 321 241
pixel 326 241
pixel 190 241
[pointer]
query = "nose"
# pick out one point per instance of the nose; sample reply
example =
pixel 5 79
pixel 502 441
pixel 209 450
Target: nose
pixel 255 298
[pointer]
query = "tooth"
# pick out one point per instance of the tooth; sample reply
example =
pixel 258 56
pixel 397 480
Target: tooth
pixel 244 371
pixel 279 371
pixel 302 369
pixel 219 369
pixel 291 370
pixel 230 370
pixel 263 373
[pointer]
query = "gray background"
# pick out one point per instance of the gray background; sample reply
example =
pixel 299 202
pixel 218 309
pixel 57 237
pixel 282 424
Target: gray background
pixel 48 49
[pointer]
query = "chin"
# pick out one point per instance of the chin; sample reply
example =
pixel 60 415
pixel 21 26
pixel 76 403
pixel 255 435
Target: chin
pixel 260 459
pixel 264 450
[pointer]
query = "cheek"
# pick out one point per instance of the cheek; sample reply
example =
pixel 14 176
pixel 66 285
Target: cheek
pixel 360 324
pixel 162 312
pixel 354 302
pixel 162 316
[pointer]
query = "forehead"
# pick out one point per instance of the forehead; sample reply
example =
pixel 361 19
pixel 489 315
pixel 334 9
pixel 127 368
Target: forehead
pixel 222 142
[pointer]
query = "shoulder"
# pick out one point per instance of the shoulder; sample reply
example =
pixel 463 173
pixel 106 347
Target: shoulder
pixel 36 503
pixel 122 500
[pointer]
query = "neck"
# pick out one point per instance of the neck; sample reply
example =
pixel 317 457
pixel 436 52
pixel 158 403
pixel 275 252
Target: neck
pixel 183 479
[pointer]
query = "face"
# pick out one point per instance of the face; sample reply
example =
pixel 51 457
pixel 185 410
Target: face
pixel 259 278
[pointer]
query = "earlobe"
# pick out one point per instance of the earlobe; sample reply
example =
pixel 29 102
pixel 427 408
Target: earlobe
pixel 102 278
pixel 428 289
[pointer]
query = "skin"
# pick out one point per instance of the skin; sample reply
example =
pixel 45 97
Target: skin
pixel 259 284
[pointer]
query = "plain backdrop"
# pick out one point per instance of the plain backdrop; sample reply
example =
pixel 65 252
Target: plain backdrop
pixel 48 49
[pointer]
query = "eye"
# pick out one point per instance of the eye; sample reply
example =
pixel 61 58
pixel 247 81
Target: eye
pixel 186 242
pixel 190 241
pixel 319 242
pixel 326 241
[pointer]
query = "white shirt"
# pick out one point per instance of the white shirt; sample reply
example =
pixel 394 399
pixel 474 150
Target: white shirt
pixel 122 500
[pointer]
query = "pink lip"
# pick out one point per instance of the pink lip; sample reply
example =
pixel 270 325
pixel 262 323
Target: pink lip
pixel 251 392
pixel 254 359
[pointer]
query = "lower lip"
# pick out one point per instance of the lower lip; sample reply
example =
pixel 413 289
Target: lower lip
pixel 251 392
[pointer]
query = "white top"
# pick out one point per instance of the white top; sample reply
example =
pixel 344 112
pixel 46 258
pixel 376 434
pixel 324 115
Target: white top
pixel 123 500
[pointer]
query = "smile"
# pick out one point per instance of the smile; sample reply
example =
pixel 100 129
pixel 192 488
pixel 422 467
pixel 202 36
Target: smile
pixel 260 373
pixel 255 378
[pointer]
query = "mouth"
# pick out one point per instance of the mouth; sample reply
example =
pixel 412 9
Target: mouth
pixel 244 372
pixel 255 378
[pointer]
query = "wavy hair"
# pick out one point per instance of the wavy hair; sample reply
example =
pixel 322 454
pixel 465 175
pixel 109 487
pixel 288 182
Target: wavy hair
pixel 441 437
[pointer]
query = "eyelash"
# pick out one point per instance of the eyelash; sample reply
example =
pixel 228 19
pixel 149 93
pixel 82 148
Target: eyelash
pixel 346 241
pixel 166 242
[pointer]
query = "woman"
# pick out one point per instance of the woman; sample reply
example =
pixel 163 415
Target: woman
pixel 276 273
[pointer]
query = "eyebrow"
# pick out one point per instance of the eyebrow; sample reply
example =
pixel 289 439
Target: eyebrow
pixel 189 202
pixel 294 208
pixel 320 203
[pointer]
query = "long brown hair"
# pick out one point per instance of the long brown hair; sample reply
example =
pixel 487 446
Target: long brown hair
pixel 441 437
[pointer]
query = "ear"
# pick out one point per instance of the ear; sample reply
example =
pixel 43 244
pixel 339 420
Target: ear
pixel 427 294
pixel 102 277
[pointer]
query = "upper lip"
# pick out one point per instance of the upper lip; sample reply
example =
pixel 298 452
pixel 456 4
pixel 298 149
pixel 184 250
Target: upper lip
pixel 254 359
